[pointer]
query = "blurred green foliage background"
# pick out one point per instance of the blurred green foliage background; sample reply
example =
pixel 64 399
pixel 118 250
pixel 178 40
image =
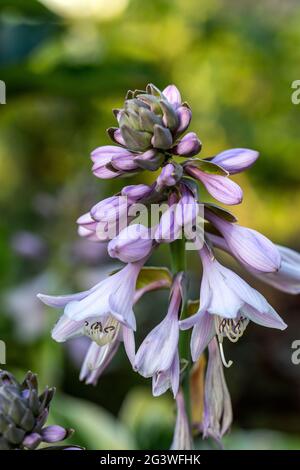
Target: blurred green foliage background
pixel 66 64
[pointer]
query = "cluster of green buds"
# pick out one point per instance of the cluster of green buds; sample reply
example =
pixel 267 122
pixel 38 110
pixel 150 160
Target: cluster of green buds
pixel 150 125
pixel 23 414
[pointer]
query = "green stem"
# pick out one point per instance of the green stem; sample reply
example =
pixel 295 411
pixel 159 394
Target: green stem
pixel 178 263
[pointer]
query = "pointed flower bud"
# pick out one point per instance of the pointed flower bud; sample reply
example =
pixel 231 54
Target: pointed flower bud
pixel 184 115
pixel 169 175
pixel 172 94
pixel 236 160
pixel 188 146
pixel 250 247
pixel 132 244
pixel 220 187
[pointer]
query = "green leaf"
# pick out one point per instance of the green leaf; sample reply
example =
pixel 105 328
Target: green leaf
pixel 95 428
pixel 221 212
pixel 150 419
pixel 207 167
pixel 151 274
pixel 193 307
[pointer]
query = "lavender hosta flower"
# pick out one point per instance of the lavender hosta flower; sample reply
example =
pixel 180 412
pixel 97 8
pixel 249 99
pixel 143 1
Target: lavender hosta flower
pixel 24 412
pixel 132 244
pixel 169 175
pixel 188 146
pixel 250 247
pixel 217 414
pixel 227 305
pixel 99 357
pixel 182 439
pixel 220 187
pixel 236 160
pixel 113 296
pixel 157 357
pixel 286 279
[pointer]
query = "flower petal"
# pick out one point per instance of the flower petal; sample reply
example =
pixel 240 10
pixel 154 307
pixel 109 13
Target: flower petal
pixel 270 318
pixel 203 332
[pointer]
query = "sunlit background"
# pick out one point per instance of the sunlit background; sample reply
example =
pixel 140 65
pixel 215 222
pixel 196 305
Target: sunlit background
pixel 66 64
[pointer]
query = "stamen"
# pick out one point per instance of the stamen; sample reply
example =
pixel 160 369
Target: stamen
pixel 231 328
pixel 225 363
pixel 102 333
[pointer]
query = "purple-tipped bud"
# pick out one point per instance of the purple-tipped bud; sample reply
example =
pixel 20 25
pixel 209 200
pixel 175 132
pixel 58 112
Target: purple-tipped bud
pixel 124 162
pixel 236 160
pixel 250 247
pixel 220 187
pixel 170 175
pixel 184 118
pixel 132 244
pixel 116 136
pixel 105 172
pixel 103 155
pixel 32 441
pixel 110 209
pixel 136 192
pixel 188 146
pixel 150 160
pixel 54 433
pixel 172 94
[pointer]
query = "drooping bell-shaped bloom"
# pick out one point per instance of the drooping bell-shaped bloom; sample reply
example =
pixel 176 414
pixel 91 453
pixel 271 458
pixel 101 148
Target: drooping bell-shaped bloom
pixel 167 379
pixel 188 146
pixel 250 247
pixel 286 279
pixel 236 160
pixel 112 296
pixel 158 354
pixel 99 356
pixel 221 187
pixel 227 303
pixel 182 439
pixel 132 244
pixel 217 414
